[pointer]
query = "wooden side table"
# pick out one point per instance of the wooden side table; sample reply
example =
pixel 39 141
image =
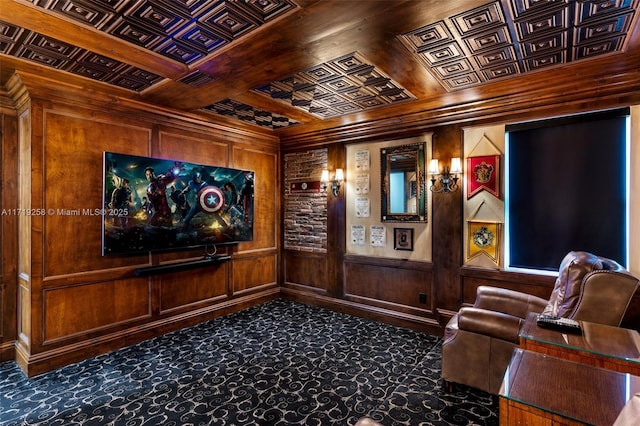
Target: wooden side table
pixel 604 346
pixel 539 389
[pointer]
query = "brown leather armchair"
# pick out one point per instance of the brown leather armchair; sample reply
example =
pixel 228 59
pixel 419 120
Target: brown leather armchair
pixel 479 340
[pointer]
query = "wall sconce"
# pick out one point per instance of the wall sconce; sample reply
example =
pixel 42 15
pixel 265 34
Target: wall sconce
pixel 448 179
pixel 335 183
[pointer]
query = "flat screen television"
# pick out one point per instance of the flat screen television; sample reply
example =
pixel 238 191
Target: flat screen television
pixel 155 204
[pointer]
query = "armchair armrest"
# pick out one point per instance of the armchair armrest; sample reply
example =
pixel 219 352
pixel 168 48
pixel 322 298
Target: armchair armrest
pixel 508 301
pixel 490 323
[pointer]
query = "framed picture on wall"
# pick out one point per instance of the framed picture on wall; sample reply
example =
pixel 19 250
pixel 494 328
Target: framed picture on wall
pixel 403 239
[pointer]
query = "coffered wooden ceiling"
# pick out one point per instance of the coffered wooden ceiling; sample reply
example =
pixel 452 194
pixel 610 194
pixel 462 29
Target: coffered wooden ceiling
pixel 300 66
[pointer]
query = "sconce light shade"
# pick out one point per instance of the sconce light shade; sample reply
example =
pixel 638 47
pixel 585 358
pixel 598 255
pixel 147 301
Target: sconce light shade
pixel 335 183
pixel 447 181
pixel 434 167
pixel 456 166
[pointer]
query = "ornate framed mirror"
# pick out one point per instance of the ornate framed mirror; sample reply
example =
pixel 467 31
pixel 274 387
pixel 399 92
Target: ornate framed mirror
pixel 403 183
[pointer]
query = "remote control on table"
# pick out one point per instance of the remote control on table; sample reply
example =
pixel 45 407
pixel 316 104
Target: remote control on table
pixel 558 323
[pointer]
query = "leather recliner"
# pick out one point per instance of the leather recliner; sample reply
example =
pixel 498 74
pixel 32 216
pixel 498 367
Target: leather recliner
pixel 479 340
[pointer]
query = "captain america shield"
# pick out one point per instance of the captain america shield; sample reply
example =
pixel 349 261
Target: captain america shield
pixel 210 199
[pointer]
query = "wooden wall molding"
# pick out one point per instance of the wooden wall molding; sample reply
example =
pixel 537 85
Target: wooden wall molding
pixel 23 87
pixel 7 106
pixel 74 303
pixel 9 230
pixel 34 364
pixel 533 101
pixel 375 313
pixel 393 284
pixel 307 270
pixel 253 272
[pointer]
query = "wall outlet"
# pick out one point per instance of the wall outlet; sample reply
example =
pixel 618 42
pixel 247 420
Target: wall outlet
pixel 423 298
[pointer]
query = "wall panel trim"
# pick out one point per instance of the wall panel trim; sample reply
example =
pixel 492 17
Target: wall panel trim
pixel 414 322
pixel 58 357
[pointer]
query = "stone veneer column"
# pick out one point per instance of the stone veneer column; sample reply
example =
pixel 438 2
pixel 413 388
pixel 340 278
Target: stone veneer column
pixel 305 213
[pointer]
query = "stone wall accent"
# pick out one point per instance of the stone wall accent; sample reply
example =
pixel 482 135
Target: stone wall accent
pixel 305 213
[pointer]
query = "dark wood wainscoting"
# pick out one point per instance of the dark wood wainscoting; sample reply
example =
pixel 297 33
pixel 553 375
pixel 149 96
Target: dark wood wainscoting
pixel 305 270
pixel 401 285
pixel 72 310
pixel 385 290
pixel 254 272
pixel 395 288
pixel 198 287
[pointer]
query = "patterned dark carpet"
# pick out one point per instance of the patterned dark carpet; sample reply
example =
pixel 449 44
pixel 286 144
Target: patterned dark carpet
pixel 281 363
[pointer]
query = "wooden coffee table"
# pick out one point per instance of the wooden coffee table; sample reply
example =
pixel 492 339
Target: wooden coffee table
pixel 539 389
pixel 604 346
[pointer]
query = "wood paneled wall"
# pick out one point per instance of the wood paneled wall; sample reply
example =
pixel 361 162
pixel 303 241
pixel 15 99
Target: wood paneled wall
pixel 8 229
pixel 386 289
pixel 73 302
pixel 396 291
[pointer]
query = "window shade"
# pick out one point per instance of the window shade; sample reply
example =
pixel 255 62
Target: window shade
pixel 567 189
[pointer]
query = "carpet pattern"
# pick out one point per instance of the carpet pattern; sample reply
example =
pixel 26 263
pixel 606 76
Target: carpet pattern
pixel 280 363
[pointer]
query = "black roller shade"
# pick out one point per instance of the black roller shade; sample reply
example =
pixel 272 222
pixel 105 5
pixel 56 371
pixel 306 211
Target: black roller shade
pixel 567 188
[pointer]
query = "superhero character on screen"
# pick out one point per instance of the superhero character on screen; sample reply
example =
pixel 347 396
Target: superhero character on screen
pixel 195 185
pixel 121 202
pixel 246 197
pixel 209 199
pixel 146 208
pixel 157 193
pixel 230 196
pixel 180 201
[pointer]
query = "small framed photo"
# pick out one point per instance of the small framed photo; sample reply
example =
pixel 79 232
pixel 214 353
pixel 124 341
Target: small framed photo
pixel 403 239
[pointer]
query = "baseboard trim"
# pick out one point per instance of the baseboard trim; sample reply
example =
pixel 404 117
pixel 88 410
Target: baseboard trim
pixel 7 351
pixel 426 325
pixel 34 364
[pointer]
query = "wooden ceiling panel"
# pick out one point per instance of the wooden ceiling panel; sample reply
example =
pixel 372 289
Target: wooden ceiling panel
pixel 511 38
pixel 341 86
pixel 298 66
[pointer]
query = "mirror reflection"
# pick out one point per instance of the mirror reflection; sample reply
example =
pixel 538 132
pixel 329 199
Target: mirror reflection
pixel 403 197
pixel 402 183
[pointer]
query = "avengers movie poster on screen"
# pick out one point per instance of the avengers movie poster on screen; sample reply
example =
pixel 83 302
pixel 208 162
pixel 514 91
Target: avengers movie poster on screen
pixel 159 204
